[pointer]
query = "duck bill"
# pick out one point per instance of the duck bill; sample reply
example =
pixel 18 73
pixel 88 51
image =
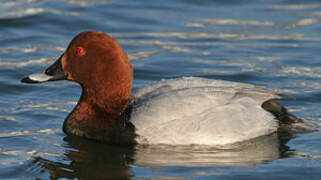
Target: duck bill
pixel 52 73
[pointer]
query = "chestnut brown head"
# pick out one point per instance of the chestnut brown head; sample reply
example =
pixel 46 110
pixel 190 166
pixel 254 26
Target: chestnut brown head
pixel 92 58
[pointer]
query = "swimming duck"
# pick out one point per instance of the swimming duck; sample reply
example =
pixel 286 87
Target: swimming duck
pixel 181 111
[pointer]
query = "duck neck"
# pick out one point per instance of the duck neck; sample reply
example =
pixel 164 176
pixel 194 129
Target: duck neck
pixel 99 115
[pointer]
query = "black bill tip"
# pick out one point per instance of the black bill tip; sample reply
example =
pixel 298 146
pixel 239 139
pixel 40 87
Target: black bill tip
pixel 53 73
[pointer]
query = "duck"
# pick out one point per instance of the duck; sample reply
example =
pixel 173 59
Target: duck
pixel 181 111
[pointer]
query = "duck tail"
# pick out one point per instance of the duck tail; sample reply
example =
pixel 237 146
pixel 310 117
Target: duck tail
pixel 287 121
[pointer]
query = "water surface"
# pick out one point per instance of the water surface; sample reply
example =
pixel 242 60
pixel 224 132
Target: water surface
pixel 274 43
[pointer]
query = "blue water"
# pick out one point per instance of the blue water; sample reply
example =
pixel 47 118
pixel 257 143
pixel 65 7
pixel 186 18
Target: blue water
pixel 274 43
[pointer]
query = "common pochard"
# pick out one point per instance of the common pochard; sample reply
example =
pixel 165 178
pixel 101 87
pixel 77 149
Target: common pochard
pixel 181 111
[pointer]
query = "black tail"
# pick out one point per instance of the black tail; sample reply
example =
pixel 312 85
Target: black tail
pixel 287 121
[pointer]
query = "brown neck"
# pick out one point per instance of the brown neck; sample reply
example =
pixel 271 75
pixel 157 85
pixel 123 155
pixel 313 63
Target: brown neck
pixel 100 115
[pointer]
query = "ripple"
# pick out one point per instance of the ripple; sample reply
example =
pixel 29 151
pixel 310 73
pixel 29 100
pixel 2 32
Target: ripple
pixel 34 11
pixel 140 55
pixel 18 3
pixel 8 118
pixel 268 59
pixel 211 43
pixel 86 3
pixel 52 106
pixel 31 49
pixel 228 72
pixel 226 63
pixel 318 13
pixel 31 152
pixel 46 60
pixel 314 72
pixel 302 22
pixel 168 45
pixel 311 85
pixel 296 24
pixel 184 35
pixel 238 66
pixel 206 22
pixel 296 7
pixel 29 132
pixel 176 46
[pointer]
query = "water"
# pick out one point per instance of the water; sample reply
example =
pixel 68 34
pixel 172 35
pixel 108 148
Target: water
pixel 275 44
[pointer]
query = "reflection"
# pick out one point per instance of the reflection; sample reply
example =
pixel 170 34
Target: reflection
pixel 247 153
pixel 86 159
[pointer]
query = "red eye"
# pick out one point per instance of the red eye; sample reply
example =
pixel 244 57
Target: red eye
pixel 80 51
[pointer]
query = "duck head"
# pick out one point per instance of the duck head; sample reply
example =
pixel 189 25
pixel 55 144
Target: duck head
pixel 91 56
pixel 98 63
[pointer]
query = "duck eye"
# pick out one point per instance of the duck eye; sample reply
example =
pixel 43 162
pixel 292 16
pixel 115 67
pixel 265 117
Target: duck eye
pixel 80 51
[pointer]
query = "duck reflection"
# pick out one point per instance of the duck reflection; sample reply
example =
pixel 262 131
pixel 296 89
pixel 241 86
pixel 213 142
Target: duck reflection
pixel 247 153
pixel 86 159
